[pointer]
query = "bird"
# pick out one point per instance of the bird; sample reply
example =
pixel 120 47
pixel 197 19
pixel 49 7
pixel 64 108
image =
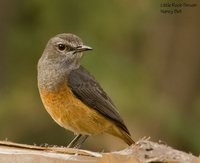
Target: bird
pixel 72 96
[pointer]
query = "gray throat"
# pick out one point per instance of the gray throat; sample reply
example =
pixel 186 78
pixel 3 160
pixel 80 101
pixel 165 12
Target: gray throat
pixel 51 74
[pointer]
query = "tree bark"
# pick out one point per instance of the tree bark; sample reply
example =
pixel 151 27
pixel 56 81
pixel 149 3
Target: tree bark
pixel 142 151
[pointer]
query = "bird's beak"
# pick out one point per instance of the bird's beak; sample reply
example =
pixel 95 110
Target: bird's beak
pixel 82 48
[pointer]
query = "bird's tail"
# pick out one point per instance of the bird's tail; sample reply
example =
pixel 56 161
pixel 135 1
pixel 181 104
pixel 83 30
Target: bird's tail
pixel 127 138
pixel 122 135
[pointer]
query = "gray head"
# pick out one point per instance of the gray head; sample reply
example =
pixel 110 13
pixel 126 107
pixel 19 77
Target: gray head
pixel 61 55
pixel 65 49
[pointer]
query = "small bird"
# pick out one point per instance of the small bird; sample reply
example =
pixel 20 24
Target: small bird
pixel 72 96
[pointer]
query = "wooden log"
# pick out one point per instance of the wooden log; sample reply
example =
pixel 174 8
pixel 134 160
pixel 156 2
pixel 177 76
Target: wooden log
pixel 142 151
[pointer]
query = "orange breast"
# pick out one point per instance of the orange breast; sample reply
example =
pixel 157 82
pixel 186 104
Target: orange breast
pixel 70 113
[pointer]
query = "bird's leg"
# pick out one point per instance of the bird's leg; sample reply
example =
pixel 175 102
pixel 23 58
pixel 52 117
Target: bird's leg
pixel 77 141
pixel 81 141
pixel 72 144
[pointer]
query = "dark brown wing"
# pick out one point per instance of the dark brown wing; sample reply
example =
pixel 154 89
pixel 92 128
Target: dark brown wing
pixel 85 87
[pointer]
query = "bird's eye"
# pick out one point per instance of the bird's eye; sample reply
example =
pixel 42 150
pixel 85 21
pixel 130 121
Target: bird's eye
pixel 61 47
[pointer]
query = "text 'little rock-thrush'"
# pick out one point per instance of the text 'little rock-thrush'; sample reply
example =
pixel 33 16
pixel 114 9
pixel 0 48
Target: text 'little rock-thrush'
pixel 72 96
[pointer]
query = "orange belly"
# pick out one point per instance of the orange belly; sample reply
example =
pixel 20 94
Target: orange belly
pixel 70 113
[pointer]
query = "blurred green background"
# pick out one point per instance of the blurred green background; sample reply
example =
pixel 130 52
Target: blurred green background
pixel 148 62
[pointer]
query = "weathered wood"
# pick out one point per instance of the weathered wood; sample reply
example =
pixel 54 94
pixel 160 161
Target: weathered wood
pixel 142 151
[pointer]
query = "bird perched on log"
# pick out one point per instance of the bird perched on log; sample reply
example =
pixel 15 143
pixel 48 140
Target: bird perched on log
pixel 72 96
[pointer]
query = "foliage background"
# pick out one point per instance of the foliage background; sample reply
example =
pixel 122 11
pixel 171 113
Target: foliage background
pixel 148 62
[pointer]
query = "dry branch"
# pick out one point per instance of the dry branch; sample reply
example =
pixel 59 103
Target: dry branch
pixel 142 151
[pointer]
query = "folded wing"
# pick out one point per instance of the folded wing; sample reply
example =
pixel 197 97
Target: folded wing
pixel 86 88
